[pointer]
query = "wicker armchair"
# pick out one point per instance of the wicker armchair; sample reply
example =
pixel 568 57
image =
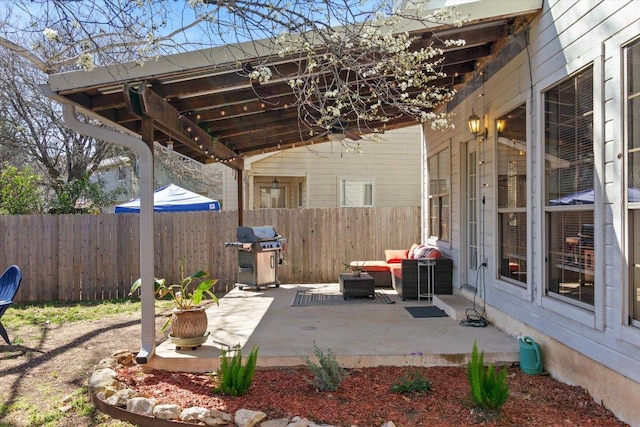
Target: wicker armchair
pixel 405 277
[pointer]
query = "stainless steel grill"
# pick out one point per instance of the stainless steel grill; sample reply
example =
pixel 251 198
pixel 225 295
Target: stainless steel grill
pixel 260 252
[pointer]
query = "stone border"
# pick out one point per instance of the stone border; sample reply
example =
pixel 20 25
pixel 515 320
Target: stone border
pixel 110 397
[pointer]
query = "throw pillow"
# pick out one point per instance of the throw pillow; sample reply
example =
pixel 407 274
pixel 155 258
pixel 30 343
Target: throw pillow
pixel 426 252
pixel 411 249
pixel 392 256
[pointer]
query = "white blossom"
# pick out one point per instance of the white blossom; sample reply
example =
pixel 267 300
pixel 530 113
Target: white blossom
pixel 457 43
pixel 50 34
pixel 85 61
pixel 262 74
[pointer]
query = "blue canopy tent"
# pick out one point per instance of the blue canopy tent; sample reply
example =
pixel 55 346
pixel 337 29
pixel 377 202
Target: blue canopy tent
pixel 172 198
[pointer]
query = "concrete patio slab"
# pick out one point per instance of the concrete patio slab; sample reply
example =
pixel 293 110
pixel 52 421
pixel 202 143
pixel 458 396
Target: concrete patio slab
pixel 360 333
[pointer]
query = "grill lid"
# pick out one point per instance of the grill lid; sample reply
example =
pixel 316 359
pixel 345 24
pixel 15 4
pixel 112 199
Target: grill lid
pixel 256 234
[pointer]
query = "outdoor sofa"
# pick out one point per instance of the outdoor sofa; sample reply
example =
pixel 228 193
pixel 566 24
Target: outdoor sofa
pixel 400 270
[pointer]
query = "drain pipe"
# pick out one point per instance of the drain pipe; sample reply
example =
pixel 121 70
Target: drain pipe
pixel 145 157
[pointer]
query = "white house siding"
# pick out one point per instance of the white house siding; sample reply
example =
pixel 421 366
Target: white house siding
pixel 393 164
pixel 595 348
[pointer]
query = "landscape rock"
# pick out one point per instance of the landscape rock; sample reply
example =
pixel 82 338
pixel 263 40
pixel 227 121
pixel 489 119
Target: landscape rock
pixel 214 417
pixel 220 414
pixel 111 390
pixel 280 422
pixel 120 397
pixel 141 405
pixel 109 362
pixel 298 422
pixel 303 422
pixel 212 421
pixel 192 414
pixel 389 424
pixel 248 418
pixel 167 411
pixel 103 378
pixel 124 357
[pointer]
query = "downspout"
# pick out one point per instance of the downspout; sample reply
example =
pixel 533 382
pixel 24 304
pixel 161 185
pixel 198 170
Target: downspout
pixel 145 157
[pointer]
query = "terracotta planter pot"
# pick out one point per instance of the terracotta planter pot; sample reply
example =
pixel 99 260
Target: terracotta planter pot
pixel 189 323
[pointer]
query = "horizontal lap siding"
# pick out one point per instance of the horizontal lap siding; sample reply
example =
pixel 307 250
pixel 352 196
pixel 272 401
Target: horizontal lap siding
pixel 393 164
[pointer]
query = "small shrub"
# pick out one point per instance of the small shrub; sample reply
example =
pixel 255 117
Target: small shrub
pixel 412 382
pixel 233 378
pixel 489 389
pixel 328 375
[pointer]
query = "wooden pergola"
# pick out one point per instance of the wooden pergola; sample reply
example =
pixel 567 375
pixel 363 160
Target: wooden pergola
pixel 203 105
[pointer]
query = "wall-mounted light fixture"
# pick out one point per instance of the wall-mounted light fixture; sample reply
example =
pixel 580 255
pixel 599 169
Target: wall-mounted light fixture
pixel 475 125
pixel 501 124
pixel 274 184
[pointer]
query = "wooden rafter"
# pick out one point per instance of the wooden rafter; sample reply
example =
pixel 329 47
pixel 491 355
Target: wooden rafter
pixel 220 103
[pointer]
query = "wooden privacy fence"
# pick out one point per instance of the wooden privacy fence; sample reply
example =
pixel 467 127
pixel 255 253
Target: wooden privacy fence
pixel 94 257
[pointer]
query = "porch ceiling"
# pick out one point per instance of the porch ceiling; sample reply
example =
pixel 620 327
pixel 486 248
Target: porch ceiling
pixel 196 96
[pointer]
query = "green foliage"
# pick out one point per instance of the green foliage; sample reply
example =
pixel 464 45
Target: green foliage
pixel 20 192
pixel 81 195
pixel 411 382
pixel 328 375
pixel 233 378
pixel 181 294
pixel 489 389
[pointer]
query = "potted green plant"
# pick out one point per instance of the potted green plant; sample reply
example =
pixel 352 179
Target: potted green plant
pixel 354 268
pixel 188 320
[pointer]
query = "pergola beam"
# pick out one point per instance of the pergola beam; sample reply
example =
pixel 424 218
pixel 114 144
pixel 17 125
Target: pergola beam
pixel 186 131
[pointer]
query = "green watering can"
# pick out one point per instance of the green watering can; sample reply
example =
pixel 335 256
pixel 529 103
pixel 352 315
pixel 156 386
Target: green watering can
pixel 530 357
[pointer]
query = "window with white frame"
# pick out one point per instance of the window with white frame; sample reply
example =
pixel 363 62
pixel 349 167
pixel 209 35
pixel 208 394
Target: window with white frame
pixel 271 197
pixel 439 171
pixel 512 194
pixel 632 54
pixel 569 189
pixel 356 193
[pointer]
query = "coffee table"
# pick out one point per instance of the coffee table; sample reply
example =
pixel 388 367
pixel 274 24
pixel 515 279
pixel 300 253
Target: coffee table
pixel 357 286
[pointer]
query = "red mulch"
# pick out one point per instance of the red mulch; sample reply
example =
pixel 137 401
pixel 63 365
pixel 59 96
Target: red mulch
pixel 364 398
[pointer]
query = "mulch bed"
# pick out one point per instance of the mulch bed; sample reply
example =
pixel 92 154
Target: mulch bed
pixel 364 398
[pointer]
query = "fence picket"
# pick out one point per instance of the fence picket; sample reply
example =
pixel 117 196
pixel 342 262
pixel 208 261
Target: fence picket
pixel 73 257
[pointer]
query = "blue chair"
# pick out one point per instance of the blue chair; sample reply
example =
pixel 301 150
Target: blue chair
pixel 9 284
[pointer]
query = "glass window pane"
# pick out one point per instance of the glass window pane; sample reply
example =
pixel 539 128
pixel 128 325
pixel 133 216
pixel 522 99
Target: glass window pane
pixel 569 138
pixel 512 160
pixel 634 176
pixel 438 171
pixel 432 165
pixel 357 193
pixel 434 210
pixel 272 197
pixel 443 171
pixel 444 221
pixel 634 239
pixel 512 195
pixel 633 167
pixel 513 245
pixel 571 255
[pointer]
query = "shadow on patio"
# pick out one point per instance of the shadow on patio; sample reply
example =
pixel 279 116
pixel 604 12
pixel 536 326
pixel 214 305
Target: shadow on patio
pixel 359 333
